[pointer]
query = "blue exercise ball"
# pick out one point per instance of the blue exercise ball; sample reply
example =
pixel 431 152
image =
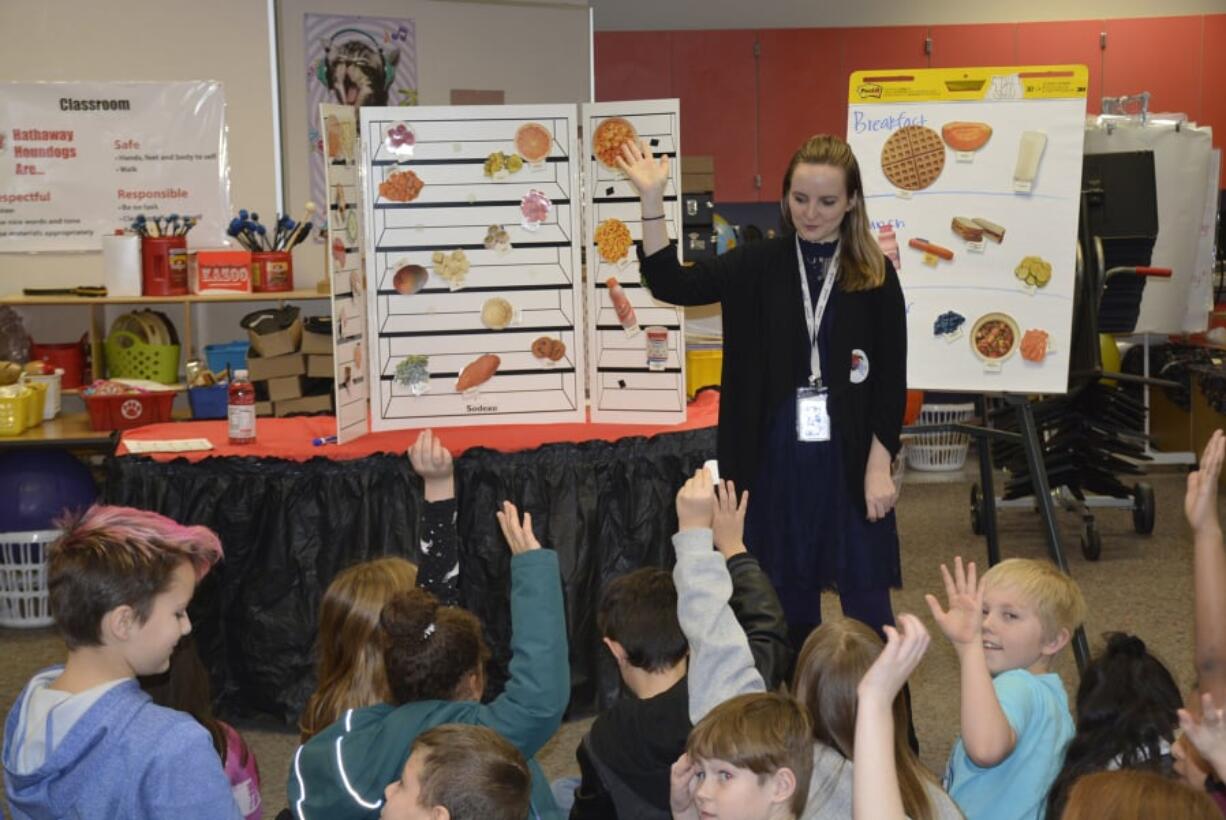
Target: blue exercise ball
pixel 38 485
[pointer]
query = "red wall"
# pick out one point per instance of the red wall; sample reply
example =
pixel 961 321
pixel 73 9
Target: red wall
pixel 751 120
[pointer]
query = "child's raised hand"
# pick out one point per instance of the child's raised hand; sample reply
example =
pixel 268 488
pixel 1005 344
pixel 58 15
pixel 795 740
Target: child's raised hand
pixel 1200 501
pixel 963 623
pixel 519 537
pixel 729 520
pixel 432 461
pixel 904 649
pixel 681 787
pixel 1208 734
pixel 696 502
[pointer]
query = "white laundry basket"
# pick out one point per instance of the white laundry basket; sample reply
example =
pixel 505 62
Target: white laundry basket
pixel 933 452
pixel 23 578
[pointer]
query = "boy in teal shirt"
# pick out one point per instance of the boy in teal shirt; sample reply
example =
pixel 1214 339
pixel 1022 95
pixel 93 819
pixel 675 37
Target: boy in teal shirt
pixel 1007 628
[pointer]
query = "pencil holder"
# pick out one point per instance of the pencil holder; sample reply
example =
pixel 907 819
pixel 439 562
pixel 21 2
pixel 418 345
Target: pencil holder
pixel 272 271
pixel 164 265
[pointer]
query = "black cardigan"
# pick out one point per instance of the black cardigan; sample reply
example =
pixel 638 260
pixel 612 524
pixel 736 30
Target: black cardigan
pixel 758 287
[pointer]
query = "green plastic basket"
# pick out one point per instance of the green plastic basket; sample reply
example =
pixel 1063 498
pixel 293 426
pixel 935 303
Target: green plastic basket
pixel 127 357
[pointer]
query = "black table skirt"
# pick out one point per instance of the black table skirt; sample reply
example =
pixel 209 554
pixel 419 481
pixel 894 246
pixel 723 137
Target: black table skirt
pixel 288 527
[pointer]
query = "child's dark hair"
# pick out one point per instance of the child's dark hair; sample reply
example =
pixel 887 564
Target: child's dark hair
pixel 639 611
pixel 474 773
pixel 429 647
pixel 185 688
pixel 109 557
pixel 1127 705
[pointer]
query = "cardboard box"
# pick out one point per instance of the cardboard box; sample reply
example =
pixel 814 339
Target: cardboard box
pixel 320 367
pixel 262 368
pixel 318 343
pixel 306 404
pixel 697 164
pixel 277 343
pixel 219 271
pixel 1204 418
pixel 286 387
pixel 697 183
pixel 1169 424
pixel 263 408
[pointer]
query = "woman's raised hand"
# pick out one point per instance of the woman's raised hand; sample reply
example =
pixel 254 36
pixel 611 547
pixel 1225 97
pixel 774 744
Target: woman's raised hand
pixel 647 174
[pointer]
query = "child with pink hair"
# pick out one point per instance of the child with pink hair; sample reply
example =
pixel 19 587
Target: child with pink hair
pixel 83 740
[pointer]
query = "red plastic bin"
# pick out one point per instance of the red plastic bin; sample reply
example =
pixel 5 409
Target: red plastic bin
pixel 129 410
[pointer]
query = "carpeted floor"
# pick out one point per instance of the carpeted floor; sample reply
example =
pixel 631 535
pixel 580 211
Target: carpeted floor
pixel 1142 584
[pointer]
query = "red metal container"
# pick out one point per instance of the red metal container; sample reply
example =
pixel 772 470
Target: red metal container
pixel 164 265
pixel 272 271
pixel 68 355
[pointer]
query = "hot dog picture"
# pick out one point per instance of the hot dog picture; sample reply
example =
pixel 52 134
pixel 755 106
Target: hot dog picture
pixel 928 247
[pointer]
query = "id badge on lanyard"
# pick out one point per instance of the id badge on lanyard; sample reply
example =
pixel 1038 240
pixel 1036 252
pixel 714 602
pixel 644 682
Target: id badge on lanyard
pixel 812 400
pixel 812 414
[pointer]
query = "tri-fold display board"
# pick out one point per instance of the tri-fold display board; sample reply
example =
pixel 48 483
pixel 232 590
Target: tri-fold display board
pixel 478 311
pixel 350 347
pixel 972 179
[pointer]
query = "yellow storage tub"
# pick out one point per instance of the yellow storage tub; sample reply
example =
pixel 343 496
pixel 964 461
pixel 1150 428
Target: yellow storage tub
pixel 703 368
pixel 37 400
pixel 13 403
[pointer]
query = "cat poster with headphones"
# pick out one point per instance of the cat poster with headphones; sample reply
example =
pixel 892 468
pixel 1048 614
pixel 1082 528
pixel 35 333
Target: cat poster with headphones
pixel 354 61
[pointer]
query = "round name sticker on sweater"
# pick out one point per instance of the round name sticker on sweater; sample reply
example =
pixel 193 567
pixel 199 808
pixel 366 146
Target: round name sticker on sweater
pixel 859 366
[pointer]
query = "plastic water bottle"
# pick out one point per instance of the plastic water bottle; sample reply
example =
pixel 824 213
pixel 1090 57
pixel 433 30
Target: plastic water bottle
pixel 240 409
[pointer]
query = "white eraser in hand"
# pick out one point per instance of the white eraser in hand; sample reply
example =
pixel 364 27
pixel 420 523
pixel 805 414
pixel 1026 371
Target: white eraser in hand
pixel 712 467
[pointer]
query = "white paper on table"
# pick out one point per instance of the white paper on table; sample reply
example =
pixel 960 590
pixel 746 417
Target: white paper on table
pixel 181 445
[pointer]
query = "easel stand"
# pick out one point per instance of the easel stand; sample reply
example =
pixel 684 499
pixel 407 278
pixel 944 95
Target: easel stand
pixel 1029 439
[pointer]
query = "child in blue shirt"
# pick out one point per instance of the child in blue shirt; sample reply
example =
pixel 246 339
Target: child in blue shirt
pixel 1007 628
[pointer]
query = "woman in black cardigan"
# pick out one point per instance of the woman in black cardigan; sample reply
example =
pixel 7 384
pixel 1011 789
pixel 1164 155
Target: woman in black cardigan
pixel 823 497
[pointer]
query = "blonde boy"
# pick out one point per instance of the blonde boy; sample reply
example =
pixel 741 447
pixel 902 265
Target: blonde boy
pixel 750 758
pixel 1007 629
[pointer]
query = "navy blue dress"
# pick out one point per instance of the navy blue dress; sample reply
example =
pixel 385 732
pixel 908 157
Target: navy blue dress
pixel 801 524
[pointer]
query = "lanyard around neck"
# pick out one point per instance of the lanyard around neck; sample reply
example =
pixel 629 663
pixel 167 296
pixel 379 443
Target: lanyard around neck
pixel 813 315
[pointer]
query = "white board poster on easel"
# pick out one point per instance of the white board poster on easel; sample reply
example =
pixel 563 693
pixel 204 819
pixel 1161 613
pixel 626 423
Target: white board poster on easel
pixel 637 363
pixel 338 124
pixel 972 179
pixel 473 265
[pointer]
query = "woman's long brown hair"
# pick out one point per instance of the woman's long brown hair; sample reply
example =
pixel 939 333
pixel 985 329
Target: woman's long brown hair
pixel 351 670
pixel 832 661
pixel 861 262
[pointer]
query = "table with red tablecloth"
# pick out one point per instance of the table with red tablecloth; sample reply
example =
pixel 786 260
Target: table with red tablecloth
pixel 291 514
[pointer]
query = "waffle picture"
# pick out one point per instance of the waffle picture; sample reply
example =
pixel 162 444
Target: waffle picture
pixel 913 157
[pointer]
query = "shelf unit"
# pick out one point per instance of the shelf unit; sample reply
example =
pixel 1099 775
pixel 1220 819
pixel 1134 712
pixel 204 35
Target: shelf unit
pixel 97 329
pixel 73 429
